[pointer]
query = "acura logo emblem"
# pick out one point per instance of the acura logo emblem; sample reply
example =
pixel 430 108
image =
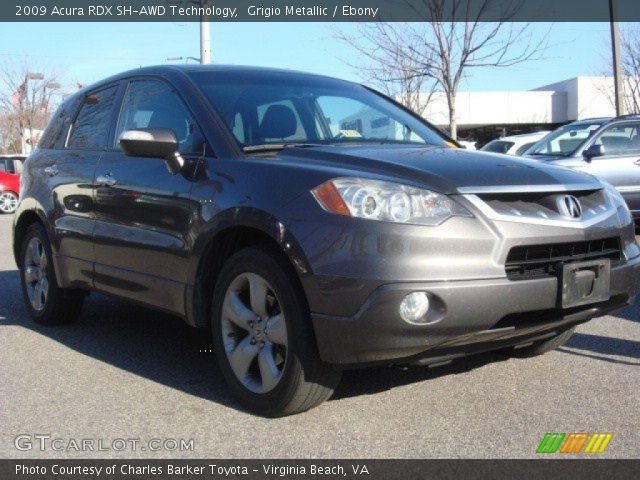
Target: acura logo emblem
pixel 569 206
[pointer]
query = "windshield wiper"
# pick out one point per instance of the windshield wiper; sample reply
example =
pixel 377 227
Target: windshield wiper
pixel 267 147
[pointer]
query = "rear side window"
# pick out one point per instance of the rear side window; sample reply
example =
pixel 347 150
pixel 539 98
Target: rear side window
pixel 56 130
pixel 91 128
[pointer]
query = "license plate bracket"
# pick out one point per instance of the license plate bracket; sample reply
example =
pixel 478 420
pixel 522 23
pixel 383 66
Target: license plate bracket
pixel 583 283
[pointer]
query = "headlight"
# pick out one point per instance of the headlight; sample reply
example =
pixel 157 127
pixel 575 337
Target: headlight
pixel 618 201
pixel 386 201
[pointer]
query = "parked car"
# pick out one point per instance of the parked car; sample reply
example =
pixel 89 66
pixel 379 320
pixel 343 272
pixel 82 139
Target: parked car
pixel 261 204
pixel 608 148
pixel 10 169
pixel 469 145
pixel 514 144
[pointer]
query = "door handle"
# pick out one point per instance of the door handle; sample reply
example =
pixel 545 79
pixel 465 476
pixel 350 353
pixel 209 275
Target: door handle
pixel 106 180
pixel 637 162
pixel 52 171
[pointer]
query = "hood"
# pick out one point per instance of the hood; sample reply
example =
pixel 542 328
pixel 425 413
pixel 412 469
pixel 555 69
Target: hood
pixel 447 170
pixel 546 158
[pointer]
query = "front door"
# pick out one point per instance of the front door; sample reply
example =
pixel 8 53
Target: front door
pixel 620 164
pixel 143 212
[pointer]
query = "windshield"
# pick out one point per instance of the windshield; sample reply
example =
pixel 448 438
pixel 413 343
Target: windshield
pixel 498 146
pixel 565 140
pixel 276 109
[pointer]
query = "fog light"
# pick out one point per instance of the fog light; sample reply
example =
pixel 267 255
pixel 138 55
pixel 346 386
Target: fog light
pixel 414 307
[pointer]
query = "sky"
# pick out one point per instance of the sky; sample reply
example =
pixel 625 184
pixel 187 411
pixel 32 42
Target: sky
pixel 87 52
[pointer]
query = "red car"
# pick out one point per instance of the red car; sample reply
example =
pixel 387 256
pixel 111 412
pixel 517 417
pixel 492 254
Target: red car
pixel 10 169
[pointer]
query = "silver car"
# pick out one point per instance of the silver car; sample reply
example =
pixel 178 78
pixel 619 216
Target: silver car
pixel 608 148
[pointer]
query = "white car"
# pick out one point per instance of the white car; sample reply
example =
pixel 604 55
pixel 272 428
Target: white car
pixel 468 145
pixel 514 144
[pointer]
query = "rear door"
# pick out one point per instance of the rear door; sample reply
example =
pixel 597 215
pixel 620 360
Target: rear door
pixel 143 212
pixel 71 171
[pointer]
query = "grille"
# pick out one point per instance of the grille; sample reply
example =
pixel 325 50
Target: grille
pixel 545 205
pixel 525 262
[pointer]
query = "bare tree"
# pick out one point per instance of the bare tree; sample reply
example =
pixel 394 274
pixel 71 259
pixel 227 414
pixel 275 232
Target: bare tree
pixel 388 68
pixel 631 68
pixel 26 95
pixel 630 53
pixel 456 38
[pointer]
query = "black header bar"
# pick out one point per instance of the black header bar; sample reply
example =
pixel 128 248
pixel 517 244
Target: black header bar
pixel 316 11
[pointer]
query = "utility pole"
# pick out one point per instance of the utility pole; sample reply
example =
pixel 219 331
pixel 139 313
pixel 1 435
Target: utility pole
pixel 205 30
pixel 617 62
pixel 205 36
pixel 27 109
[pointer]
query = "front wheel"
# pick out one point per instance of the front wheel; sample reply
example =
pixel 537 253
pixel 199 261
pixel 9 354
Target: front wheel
pixel 8 202
pixel 263 338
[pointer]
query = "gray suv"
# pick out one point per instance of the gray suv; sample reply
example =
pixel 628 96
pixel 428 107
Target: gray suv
pixel 608 148
pixel 312 225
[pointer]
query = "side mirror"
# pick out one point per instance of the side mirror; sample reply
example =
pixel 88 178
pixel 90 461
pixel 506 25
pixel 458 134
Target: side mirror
pixel 155 143
pixel 593 151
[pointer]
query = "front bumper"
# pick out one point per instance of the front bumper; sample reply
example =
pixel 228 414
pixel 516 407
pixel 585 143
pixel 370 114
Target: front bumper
pixel 466 315
pixel 355 273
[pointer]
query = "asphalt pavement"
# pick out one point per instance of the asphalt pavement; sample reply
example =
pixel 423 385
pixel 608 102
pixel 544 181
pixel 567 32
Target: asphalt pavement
pixel 126 373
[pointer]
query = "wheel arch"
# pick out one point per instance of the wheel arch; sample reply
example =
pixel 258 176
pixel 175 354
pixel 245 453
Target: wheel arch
pixel 23 221
pixel 231 232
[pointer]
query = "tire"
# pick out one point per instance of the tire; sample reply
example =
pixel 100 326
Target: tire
pixel 276 368
pixel 541 347
pixel 8 202
pixel 47 303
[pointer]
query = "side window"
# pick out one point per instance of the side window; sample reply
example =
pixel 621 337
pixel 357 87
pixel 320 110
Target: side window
pixel 91 128
pixel 154 104
pixel 52 130
pixel 621 139
pixel 10 165
pixel 237 127
pixel 56 130
pixel 17 165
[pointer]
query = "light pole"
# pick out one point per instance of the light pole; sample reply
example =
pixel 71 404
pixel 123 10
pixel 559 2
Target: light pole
pixel 205 29
pixel 205 36
pixel 617 62
pixel 177 59
pixel 26 109
pixel 53 87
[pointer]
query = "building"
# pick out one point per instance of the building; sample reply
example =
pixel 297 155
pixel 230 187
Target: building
pixel 483 116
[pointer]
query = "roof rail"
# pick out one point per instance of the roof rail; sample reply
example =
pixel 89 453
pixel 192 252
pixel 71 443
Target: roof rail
pixel 628 115
pixel 608 119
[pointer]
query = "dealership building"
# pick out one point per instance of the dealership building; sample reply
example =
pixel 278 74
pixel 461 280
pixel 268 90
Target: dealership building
pixel 483 116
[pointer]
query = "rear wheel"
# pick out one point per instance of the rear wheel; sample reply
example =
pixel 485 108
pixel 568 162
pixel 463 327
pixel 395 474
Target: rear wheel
pixel 47 303
pixel 542 347
pixel 263 338
pixel 8 202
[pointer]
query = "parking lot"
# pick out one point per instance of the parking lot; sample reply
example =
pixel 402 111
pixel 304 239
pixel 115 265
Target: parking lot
pixel 124 372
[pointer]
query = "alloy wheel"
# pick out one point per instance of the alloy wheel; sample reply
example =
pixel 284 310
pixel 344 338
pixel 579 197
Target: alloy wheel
pixel 35 274
pixel 8 202
pixel 254 333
